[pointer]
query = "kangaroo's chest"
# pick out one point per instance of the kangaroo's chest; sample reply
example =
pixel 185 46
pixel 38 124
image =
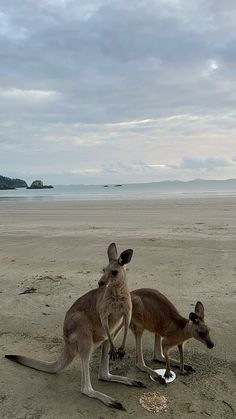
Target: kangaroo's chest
pixel 112 312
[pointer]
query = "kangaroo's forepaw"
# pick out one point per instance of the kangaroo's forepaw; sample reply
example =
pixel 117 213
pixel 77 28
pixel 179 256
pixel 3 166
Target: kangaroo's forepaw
pixel 120 353
pixel 168 374
pixel 113 354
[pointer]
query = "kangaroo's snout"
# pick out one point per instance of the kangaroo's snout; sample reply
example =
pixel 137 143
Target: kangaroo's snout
pixel 210 345
pixel 101 282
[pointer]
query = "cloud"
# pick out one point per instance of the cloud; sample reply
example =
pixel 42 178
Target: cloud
pixel 22 94
pixel 208 164
pixel 9 29
pixel 125 82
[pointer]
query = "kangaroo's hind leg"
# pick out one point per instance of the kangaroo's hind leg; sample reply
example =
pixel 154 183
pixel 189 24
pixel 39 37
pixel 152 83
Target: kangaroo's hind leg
pixel 85 351
pixel 140 363
pixel 105 375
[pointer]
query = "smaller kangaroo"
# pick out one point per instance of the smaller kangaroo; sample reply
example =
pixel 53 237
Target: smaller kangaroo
pixel 94 320
pixel 153 311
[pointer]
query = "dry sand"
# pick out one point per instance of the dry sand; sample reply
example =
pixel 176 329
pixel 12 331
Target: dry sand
pixel 185 248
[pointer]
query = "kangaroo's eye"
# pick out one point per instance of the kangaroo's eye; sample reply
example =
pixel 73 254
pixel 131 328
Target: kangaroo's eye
pixel 103 269
pixel 201 334
pixel 114 273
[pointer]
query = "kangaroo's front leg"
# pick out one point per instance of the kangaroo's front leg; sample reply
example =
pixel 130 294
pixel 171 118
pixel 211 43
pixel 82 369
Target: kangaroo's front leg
pixel 121 350
pixel 105 375
pixel 159 357
pixel 113 352
pixel 184 369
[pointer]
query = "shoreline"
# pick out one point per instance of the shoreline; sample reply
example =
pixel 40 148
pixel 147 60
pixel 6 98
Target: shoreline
pixel 180 197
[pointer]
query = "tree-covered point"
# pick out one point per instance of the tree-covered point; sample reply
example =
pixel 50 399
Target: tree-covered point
pixel 8 183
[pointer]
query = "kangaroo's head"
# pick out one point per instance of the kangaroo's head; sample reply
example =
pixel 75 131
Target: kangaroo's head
pixel 114 272
pixel 200 330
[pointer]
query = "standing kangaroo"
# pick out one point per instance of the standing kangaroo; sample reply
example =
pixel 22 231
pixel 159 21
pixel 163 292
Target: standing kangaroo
pixel 152 311
pixel 93 321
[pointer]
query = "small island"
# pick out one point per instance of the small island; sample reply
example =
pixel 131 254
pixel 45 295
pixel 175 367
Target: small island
pixel 38 184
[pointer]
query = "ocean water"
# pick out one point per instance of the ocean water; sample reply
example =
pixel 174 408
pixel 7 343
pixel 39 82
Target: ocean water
pixel 155 190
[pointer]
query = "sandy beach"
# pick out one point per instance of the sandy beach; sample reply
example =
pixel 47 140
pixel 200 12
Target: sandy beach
pixel 185 248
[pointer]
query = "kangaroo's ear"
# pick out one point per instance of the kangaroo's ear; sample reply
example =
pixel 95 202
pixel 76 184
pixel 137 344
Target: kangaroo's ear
pixel 199 310
pixel 193 317
pixel 125 257
pixel 112 252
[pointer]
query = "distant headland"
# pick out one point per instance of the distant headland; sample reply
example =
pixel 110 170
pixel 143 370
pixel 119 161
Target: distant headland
pixel 11 183
pixel 8 183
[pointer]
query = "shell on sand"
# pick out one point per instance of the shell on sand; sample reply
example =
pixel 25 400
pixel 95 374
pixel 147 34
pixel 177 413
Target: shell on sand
pixel 153 402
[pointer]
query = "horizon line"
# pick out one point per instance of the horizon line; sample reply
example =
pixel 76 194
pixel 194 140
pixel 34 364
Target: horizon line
pixel 146 183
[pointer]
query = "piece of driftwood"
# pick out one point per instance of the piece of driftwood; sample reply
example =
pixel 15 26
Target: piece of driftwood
pixel 28 291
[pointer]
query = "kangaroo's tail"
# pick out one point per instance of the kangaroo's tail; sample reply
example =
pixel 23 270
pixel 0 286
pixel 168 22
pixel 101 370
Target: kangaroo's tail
pixel 50 367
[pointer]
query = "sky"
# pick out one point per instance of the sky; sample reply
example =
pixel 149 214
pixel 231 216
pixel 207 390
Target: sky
pixel 117 91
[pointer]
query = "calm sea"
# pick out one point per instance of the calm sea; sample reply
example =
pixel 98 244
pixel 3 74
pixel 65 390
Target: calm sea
pixel 155 190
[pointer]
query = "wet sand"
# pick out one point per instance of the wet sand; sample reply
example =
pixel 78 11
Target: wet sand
pixel 185 248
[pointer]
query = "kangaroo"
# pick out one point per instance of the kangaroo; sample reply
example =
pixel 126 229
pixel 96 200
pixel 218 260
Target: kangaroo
pixel 152 311
pixel 94 320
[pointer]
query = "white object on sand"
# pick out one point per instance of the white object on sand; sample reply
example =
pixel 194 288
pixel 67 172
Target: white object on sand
pixel 161 372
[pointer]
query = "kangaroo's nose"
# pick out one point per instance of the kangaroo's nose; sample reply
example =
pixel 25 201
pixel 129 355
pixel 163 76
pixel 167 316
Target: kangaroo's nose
pixel 210 345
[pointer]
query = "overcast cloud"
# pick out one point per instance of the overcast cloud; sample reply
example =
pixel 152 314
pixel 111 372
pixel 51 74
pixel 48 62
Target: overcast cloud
pixel 117 90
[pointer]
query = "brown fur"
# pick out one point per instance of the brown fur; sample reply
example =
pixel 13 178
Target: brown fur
pixel 153 311
pixel 93 320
